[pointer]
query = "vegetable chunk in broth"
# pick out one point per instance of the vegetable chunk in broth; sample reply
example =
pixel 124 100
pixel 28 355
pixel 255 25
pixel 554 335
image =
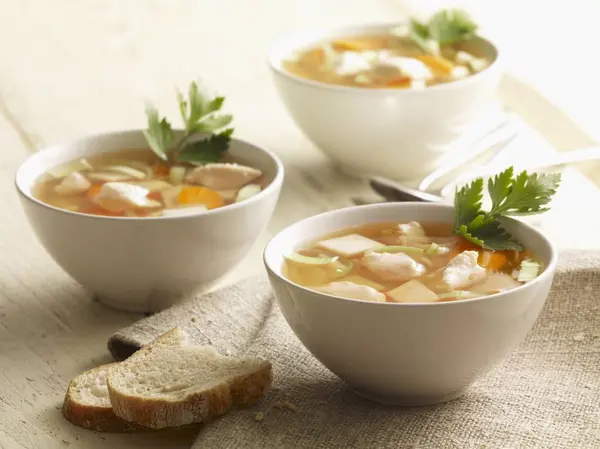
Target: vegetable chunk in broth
pixel 136 183
pixel 409 57
pixel 407 263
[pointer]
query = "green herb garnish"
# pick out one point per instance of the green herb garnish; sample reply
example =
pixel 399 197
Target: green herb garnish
pixel 199 112
pixel 446 27
pixel 525 194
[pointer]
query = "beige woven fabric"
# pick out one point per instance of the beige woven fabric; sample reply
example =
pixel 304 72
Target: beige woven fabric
pixel 546 395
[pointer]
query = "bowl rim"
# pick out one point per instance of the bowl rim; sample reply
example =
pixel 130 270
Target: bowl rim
pixel 289 43
pixel 58 148
pixel 548 271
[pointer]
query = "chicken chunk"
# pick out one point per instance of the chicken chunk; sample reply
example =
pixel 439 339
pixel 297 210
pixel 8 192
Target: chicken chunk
pixel 116 196
pixel 463 271
pixel 223 176
pixel 393 266
pixel 352 291
pixel 412 291
pixel 350 63
pixel 459 72
pixel 410 67
pixel 73 184
pixel 411 229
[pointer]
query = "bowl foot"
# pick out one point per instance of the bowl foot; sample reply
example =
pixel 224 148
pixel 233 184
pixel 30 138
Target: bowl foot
pixel 409 401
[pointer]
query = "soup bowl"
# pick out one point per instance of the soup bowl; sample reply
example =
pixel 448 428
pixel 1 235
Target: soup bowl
pixel 146 264
pixel 406 353
pixel 401 134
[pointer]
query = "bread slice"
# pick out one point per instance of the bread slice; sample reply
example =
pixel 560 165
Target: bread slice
pixel 87 404
pixel 164 385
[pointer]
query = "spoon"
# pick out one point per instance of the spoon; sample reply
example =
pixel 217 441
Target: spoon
pixel 554 163
pixel 393 191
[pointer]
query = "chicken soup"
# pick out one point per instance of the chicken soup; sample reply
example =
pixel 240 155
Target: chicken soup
pixel 137 183
pixel 410 57
pixel 407 263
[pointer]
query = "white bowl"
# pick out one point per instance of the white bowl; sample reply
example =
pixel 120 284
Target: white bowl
pixel 406 354
pixel 400 134
pixel 146 264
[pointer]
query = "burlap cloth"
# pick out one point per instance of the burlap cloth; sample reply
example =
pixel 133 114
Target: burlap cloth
pixel 545 395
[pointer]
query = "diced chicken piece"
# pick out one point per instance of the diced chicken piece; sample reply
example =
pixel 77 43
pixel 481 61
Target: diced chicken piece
pixel 411 229
pixel 495 283
pixel 393 266
pixel 418 84
pixel 411 67
pixel 73 184
pixel 412 291
pixel 125 170
pixel 183 211
pixel 361 280
pixel 463 271
pixel 116 196
pixel 352 291
pixel 351 62
pixel 459 72
pixel 349 245
pixel 411 233
pixel 155 185
pixel 476 64
pixel 223 176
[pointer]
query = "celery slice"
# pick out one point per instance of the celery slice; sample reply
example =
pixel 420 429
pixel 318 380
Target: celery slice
pixel 529 270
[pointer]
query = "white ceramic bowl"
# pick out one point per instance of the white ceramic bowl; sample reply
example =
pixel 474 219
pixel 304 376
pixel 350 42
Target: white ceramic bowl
pixel 146 264
pixel 406 354
pixel 400 134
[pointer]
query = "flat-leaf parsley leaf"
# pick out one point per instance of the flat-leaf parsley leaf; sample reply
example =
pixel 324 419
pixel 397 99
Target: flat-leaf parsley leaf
pixel 525 194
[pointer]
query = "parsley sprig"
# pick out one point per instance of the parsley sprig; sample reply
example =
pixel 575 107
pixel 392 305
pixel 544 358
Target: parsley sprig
pixel 200 114
pixel 525 194
pixel 446 27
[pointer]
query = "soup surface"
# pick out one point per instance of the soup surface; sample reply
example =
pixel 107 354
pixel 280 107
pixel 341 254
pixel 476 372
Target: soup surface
pixel 386 61
pixel 136 183
pixel 408 263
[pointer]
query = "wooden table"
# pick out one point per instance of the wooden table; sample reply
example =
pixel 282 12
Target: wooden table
pixel 71 68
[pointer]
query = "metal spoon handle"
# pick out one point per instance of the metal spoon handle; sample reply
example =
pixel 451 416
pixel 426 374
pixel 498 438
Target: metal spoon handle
pixel 494 141
pixel 553 163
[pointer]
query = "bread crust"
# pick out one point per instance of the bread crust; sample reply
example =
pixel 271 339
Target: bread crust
pixel 159 413
pixel 94 417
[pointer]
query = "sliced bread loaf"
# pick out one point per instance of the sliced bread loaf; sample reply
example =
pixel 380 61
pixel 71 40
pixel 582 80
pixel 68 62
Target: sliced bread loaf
pixel 165 385
pixel 87 404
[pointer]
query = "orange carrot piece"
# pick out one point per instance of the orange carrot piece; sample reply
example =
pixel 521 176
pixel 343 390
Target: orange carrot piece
pixel 348 45
pixel 497 260
pixel 160 169
pixel 439 65
pixel 314 57
pixel 400 82
pixel 93 191
pixel 190 195
pixel 156 196
pixel 465 245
